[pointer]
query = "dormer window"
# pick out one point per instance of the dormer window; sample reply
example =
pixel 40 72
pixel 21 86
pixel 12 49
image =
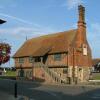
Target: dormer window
pixel 84 49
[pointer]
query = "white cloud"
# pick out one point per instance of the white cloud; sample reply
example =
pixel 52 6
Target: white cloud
pixel 96 27
pixel 94 39
pixel 95 32
pixel 20 32
pixel 16 18
pixel 73 3
pixel 15 30
pixel 34 30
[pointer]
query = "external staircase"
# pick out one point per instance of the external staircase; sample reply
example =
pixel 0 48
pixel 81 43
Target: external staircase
pixel 51 73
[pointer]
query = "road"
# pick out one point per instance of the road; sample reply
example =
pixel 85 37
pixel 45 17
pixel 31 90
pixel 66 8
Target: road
pixel 36 91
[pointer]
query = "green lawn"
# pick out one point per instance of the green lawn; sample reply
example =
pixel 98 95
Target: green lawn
pixel 96 76
pixel 11 73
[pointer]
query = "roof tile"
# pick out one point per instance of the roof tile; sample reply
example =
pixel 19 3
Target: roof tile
pixel 52 43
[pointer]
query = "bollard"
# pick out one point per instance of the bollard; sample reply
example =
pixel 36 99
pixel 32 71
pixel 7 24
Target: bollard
pixel 15 90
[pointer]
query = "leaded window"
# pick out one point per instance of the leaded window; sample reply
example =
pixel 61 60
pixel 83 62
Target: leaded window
pixel 31 59
pixel 21 60
pixel 38 59
pixel 57 57
pixel 65 70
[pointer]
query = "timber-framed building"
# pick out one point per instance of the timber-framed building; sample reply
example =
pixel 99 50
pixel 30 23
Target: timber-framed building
pixel 63 57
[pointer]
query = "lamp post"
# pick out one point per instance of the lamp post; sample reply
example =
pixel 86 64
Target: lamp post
pixel 2 21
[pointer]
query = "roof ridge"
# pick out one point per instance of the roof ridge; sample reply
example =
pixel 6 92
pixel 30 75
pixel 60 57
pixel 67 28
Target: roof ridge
pixel 58 42
pixel 52 34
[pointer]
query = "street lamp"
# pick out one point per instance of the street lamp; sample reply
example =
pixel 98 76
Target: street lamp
pixel 2 21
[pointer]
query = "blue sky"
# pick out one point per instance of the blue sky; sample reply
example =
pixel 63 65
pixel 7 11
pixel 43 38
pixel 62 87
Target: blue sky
pixel 33 18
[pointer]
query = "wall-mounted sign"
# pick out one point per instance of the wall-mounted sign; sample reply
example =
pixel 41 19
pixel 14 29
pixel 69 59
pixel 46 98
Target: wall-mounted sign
pixel 84 49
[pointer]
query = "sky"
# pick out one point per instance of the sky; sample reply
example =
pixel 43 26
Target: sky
pixel 32 18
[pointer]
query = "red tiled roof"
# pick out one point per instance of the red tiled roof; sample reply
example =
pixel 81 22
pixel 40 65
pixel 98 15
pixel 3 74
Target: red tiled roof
pixel 53 43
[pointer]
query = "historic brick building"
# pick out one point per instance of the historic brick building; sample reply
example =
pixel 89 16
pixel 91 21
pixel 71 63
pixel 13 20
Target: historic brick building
pixel 63 57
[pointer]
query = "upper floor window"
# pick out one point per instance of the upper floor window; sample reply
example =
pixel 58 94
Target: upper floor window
pixel 57 57
pixel 21 60
pixel 31 59
pixel 37 59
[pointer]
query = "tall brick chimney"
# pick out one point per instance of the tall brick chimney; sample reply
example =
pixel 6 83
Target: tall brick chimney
pixel 81 10
pixel 81 35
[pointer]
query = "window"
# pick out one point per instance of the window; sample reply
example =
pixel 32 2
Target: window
pixel 65 70
pixel 21 73
pixel 21 60
pixel 80 69
pixel 38 59
pixel 57 57
pixel 30 59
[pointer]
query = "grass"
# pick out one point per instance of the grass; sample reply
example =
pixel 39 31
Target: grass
pixel 11 73
pixel 97 78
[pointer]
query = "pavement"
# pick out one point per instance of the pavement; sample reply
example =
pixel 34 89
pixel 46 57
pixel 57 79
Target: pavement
pixel 36 91
pixel 6 96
